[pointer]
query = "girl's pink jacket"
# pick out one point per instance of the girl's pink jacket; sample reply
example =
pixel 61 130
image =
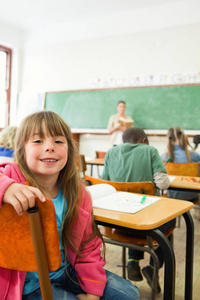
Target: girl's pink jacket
pixel 89 266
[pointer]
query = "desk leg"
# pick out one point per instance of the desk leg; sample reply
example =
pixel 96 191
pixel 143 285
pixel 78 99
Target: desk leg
pixel 169 257
pixel 189 255
pixel 91 171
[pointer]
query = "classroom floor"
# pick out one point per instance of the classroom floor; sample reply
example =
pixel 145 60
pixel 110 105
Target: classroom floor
pixel 113 258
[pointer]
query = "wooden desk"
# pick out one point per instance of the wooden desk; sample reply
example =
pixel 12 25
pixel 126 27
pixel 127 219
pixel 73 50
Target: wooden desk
pixel 145 223
pixel 185 183
pixel 95 162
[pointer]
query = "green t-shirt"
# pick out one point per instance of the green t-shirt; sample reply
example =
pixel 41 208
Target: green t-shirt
pixel 132 163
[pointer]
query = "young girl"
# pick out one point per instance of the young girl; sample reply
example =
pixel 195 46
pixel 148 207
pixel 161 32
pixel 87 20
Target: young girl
pixel 177 148
pixel 45 158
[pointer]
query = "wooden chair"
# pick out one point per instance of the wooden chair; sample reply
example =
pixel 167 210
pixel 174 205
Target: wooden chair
pixel 146 187
pixel 81 163
pixel 99 154
pixel 30 242
pixel 185 169
pixel 116 237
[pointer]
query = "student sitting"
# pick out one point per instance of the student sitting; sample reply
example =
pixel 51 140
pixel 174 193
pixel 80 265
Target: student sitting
pixel 135 161
pixel 45 159
pixel 177 149
pixel 7 143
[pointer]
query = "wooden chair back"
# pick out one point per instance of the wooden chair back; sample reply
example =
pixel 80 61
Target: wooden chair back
pixel 100 154
pixel 145 187
pixel 81 163
pixel 30 242
pixel 183 169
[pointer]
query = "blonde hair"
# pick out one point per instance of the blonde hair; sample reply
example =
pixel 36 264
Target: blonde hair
pixel 7 137
pixel 69 177
pixel 177 134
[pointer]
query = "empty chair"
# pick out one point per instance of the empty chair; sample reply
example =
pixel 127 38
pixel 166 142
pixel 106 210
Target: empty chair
pixel 183 169
pixel 99 154
pixel 81 163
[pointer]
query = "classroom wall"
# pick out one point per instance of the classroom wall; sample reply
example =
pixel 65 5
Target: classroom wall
pixel 56 60
pixel 75 65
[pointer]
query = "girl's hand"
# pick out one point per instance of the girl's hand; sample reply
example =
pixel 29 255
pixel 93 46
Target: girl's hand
pixel 22 197
pixel 88 297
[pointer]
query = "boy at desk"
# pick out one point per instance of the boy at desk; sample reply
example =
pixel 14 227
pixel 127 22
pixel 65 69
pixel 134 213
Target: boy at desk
pixel 134 161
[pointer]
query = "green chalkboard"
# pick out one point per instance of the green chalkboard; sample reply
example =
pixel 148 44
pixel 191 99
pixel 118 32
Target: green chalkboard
pixel 150 107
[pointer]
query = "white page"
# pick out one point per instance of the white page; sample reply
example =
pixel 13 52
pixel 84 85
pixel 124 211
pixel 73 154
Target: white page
pixel 124 202
pixel 171 178
pixel 100 190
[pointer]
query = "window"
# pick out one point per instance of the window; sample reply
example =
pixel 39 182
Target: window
pixel 5 85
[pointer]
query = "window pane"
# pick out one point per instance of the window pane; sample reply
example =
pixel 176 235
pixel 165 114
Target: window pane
pixel 2 69
pixel 3 93
pixel 3 108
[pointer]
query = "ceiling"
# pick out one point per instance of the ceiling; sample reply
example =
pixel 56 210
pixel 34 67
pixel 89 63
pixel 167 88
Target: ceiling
pixel 30 15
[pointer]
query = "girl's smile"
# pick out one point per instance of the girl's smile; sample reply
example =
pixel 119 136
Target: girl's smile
pixel 46 155
pixel 49 160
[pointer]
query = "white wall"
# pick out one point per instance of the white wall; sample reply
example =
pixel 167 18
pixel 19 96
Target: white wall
pixel 121 46
pixel 74 65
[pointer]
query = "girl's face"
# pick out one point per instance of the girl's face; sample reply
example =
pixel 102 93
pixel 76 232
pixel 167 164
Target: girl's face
pixel 46 156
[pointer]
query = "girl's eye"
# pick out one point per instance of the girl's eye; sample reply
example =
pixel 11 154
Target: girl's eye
pixel 37 141
pixel 59 142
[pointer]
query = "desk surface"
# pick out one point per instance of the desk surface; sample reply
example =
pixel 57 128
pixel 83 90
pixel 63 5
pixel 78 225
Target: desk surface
pixel 96 161
pixel 185 182
pixel 151 217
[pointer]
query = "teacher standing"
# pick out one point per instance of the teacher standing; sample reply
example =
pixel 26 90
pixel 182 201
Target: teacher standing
pixel 114 127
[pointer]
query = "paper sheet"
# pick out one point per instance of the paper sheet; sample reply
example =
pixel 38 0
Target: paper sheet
pixel 106 197
pixel 171 178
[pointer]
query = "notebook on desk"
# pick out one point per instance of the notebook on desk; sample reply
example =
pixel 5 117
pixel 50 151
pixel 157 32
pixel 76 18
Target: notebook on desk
pixel 106 196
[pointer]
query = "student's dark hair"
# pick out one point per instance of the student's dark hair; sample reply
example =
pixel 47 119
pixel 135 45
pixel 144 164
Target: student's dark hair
pixel 196 140
pixel 177 134
pixel 121 101
pixel 135 135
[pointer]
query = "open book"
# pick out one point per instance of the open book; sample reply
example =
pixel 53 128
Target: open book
pixel 125 122
pixel 105 196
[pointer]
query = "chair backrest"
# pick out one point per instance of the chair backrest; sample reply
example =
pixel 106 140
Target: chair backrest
pixel 30 242
pixel 81 163
pixel 16 251
pixel 183 169
pixel 100 154
pixel 145 187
